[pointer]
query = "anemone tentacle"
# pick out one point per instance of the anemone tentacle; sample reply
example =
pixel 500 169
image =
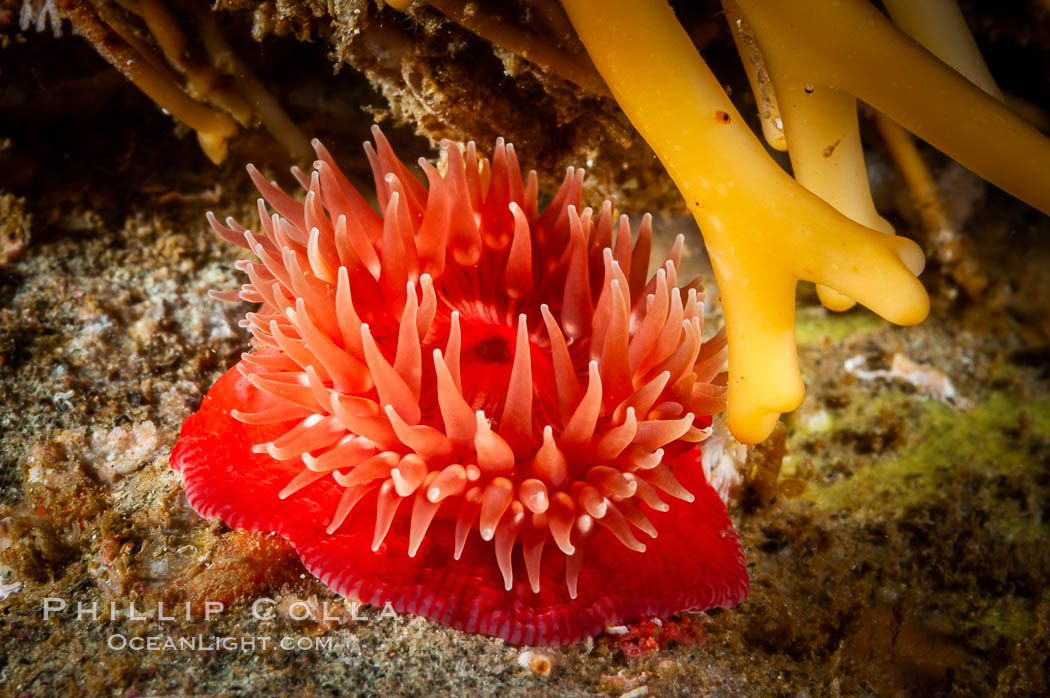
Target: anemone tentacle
pixel 464 356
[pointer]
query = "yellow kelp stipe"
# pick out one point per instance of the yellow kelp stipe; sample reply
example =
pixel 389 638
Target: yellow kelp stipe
pixel 851 46
pixel 764 231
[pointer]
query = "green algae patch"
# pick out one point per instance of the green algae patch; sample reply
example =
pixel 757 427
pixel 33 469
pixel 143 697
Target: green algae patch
pixel 816 323
pixel 1010 617
pixel 891 451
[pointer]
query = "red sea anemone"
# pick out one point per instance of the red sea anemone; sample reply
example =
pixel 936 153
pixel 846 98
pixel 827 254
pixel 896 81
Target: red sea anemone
pixel 470 408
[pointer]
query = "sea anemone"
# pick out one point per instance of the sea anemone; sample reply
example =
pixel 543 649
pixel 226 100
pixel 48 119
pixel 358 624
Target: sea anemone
pixel 467 407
